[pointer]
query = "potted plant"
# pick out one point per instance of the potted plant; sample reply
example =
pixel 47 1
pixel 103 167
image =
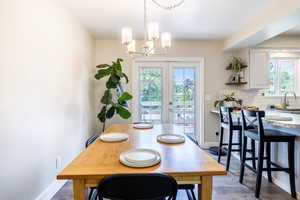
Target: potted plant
pixel 228 100
pixel 236 65
pixel 114 99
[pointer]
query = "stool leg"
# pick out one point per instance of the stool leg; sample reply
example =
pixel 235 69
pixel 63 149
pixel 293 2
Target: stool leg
pixel 268 151
pixel 253 154
pixel 240 143
pixel 230 132
pixel 259 168
pixel 220 144
pixel 243 159
pixel 291 158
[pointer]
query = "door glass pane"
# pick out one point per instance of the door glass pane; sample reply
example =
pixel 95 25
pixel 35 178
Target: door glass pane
pixel 183 95
pixel 150 94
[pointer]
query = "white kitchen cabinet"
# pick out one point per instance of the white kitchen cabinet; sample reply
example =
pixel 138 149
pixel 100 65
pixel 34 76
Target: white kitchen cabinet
pixel 258 69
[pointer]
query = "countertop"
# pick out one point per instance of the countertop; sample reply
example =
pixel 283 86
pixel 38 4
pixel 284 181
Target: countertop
pixel 293 124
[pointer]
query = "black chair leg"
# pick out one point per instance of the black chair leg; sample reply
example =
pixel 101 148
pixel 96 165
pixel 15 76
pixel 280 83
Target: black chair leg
pixel 193 195
pixel 240 143
pixel 253 154
pixel 230 132
pixel 244 151
pixel 268 151
pixel 188 195
pixel 91 193
pixel 259 168
pixel 291 159
pixel 220 144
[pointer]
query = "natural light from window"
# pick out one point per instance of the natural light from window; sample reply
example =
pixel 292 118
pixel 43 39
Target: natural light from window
pixel 282 76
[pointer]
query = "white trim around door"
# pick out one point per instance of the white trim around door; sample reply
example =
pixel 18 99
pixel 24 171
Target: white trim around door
pixel 171 62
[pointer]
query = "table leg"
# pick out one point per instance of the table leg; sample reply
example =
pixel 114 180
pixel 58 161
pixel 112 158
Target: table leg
pixel 205 188
pixel 79 189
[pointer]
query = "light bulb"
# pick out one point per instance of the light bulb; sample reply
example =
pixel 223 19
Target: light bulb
pixel 126 35
pixel 166 40
pixel 153 31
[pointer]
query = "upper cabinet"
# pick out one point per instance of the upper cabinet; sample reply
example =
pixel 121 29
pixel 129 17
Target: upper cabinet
pixel 257 73
pixel 258 69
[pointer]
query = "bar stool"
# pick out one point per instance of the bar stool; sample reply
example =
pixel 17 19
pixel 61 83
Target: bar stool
pixel 226 122
pixel 266 136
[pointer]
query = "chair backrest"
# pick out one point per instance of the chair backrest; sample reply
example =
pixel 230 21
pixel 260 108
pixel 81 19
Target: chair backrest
pixel 91 140
pixel 138 187
pixel 250 117
pixel 226 115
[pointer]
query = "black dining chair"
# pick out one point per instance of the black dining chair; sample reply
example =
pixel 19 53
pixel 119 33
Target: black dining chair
pixel 88 143
pixel 189 189
pixel 227 122
pixel 266 136
pixel 138 187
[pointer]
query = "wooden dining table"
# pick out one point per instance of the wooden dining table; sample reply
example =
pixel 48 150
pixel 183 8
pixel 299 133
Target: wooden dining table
pixel 186 162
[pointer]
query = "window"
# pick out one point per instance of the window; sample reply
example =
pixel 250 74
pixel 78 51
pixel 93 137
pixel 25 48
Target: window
pixel 282 76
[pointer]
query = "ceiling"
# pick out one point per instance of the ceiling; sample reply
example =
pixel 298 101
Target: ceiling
pixel 195 19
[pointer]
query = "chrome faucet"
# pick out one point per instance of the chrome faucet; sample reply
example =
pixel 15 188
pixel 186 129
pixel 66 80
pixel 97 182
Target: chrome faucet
pixel 286 103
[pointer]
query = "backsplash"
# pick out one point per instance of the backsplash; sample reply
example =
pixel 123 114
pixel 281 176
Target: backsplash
pixel 254 98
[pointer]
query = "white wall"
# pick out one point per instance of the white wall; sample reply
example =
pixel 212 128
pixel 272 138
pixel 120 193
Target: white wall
pixel 215 74
pixel 46 93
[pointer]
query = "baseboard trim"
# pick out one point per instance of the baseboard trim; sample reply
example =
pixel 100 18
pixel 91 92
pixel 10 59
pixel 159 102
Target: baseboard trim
pixel 285 187
pixel 51 190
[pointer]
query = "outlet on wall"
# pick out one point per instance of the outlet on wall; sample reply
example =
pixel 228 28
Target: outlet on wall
pixel 58 162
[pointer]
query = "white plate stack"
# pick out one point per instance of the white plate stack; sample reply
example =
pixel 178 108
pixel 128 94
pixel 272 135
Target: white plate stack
pixel 114 137
pixel 140 158
pixel 171 138
pixel 142 125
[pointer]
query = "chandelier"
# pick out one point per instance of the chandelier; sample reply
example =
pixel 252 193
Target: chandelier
pixel 151 34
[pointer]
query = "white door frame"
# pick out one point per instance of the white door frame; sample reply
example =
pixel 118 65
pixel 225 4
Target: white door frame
pixel 199 60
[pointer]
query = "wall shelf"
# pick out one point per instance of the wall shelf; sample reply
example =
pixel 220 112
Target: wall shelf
pixel 237 83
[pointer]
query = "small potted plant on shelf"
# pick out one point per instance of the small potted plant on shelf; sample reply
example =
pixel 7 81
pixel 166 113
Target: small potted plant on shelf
pixel 228 100
pixel 236 66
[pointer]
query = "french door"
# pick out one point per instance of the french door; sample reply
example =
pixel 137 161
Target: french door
pixel 168 92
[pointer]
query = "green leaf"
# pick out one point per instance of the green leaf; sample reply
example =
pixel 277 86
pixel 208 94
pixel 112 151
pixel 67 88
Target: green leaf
pixel 102 115
pixel 103 66
pixel 119 60
pixel 124 97
pixel 123 112
pixel 126 77
pixel 117 66
pixel 110 113
pixel 119 74
pixel 107 97
pixel 111 84
pixel 102 73
pixel 115 78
